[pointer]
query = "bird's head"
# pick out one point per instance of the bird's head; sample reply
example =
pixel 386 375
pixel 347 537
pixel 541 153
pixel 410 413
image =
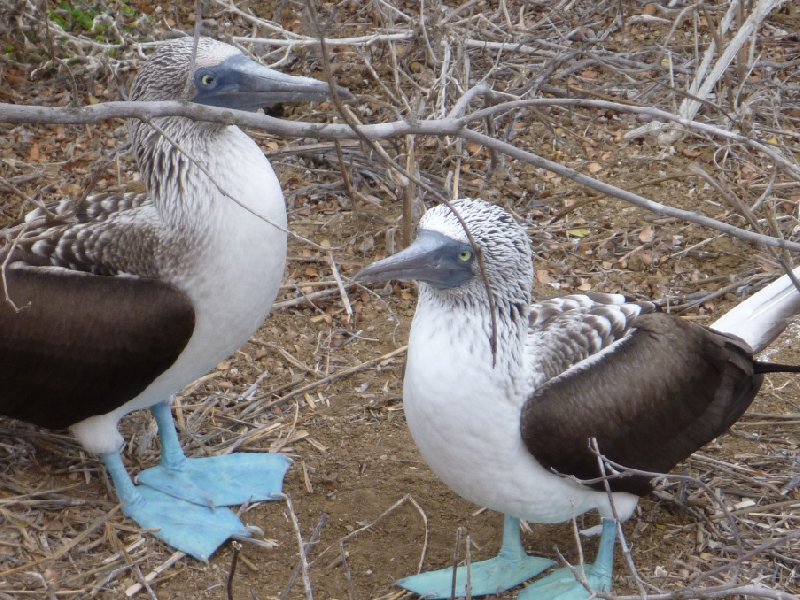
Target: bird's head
pixel 442 257
pixel 220 75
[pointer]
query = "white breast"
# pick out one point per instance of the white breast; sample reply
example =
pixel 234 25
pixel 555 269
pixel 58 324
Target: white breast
pixel 465 421
pixel 241 257
pixel 234 254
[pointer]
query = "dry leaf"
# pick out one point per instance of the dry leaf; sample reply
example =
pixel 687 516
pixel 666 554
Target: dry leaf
pixel 543 276
pixel 34 155
pixel 646 235
pixel 578 233
pixel 595 167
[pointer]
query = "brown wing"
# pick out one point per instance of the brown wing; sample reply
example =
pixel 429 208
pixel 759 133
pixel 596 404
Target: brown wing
pixel 83 345
pixel 663 392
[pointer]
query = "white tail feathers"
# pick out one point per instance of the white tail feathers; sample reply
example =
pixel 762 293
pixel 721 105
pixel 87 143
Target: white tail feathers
pixel 764 315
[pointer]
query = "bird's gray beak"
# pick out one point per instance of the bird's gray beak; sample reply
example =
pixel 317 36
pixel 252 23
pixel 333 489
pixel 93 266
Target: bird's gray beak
pixel 433 258
pixel 246 85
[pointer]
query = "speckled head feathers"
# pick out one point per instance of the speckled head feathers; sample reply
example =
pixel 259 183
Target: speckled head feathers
pixel 503 242
pixel 165 76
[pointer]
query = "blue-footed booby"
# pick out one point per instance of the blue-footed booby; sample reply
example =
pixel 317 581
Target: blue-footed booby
pixel 119 304
pixel 511 431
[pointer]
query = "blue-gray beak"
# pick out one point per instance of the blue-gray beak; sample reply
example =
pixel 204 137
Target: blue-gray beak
pixel 433 258
pixel 246 85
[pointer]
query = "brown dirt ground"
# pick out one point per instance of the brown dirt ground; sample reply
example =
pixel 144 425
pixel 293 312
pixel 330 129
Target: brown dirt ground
pixel 354 458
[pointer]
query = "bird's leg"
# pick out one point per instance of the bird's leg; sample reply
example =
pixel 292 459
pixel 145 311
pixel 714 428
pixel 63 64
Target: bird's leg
pixel 509 568
pixel 561 583
pixel 172 456
pixel 188 527
pixel 127 492
pixel 216 480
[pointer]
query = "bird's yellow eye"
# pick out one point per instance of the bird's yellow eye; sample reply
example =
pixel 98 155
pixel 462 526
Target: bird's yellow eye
pixel 206 79
pixel 465 255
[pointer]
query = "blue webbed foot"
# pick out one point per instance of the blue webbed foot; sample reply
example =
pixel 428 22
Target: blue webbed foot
pixel 486 577
pixel 561 584
pixel 221 480
pixel 214 481
pixel 508 569
pixel 190 528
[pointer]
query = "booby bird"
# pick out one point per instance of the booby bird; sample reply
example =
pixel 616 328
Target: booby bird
pixel 511 432
pixel 118 305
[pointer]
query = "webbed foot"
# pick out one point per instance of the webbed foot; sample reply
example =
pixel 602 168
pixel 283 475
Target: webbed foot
pixel 191 528
pixel 511 567
pixel 561 584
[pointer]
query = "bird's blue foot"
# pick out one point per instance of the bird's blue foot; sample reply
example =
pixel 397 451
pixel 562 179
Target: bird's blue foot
pixel 214 481
pixel 561 584
pixel 221 480
pixel 508 569
pixel 190 528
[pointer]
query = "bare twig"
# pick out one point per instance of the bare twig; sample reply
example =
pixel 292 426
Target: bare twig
pixel 302 548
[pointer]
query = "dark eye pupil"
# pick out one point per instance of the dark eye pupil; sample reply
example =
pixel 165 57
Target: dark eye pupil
pixel 207 79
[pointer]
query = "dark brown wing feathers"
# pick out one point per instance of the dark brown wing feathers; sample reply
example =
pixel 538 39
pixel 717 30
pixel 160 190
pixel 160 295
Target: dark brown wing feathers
pixel 64 357
pixel 665 391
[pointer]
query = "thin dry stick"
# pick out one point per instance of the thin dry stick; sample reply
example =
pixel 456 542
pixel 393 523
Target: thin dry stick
pixel 577 572
pixel 307 298
pixel 347 573
pixel 456 560
pixel 342 293
pixel 237 548
pixel 626 551
pixel 133 566
pixel 339 374
pixel 468 566
pixel 384 514
pixel 137 587
pixel 409 191
pixel 722 591
pixel 307 550
pixel 348 186
pixel 301 546
pixel 4 269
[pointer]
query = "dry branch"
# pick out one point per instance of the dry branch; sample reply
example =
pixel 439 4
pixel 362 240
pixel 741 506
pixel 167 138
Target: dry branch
pixel 434 127
pixel 702 86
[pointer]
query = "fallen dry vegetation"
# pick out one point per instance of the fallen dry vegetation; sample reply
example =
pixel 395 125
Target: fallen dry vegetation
pixel 578 84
